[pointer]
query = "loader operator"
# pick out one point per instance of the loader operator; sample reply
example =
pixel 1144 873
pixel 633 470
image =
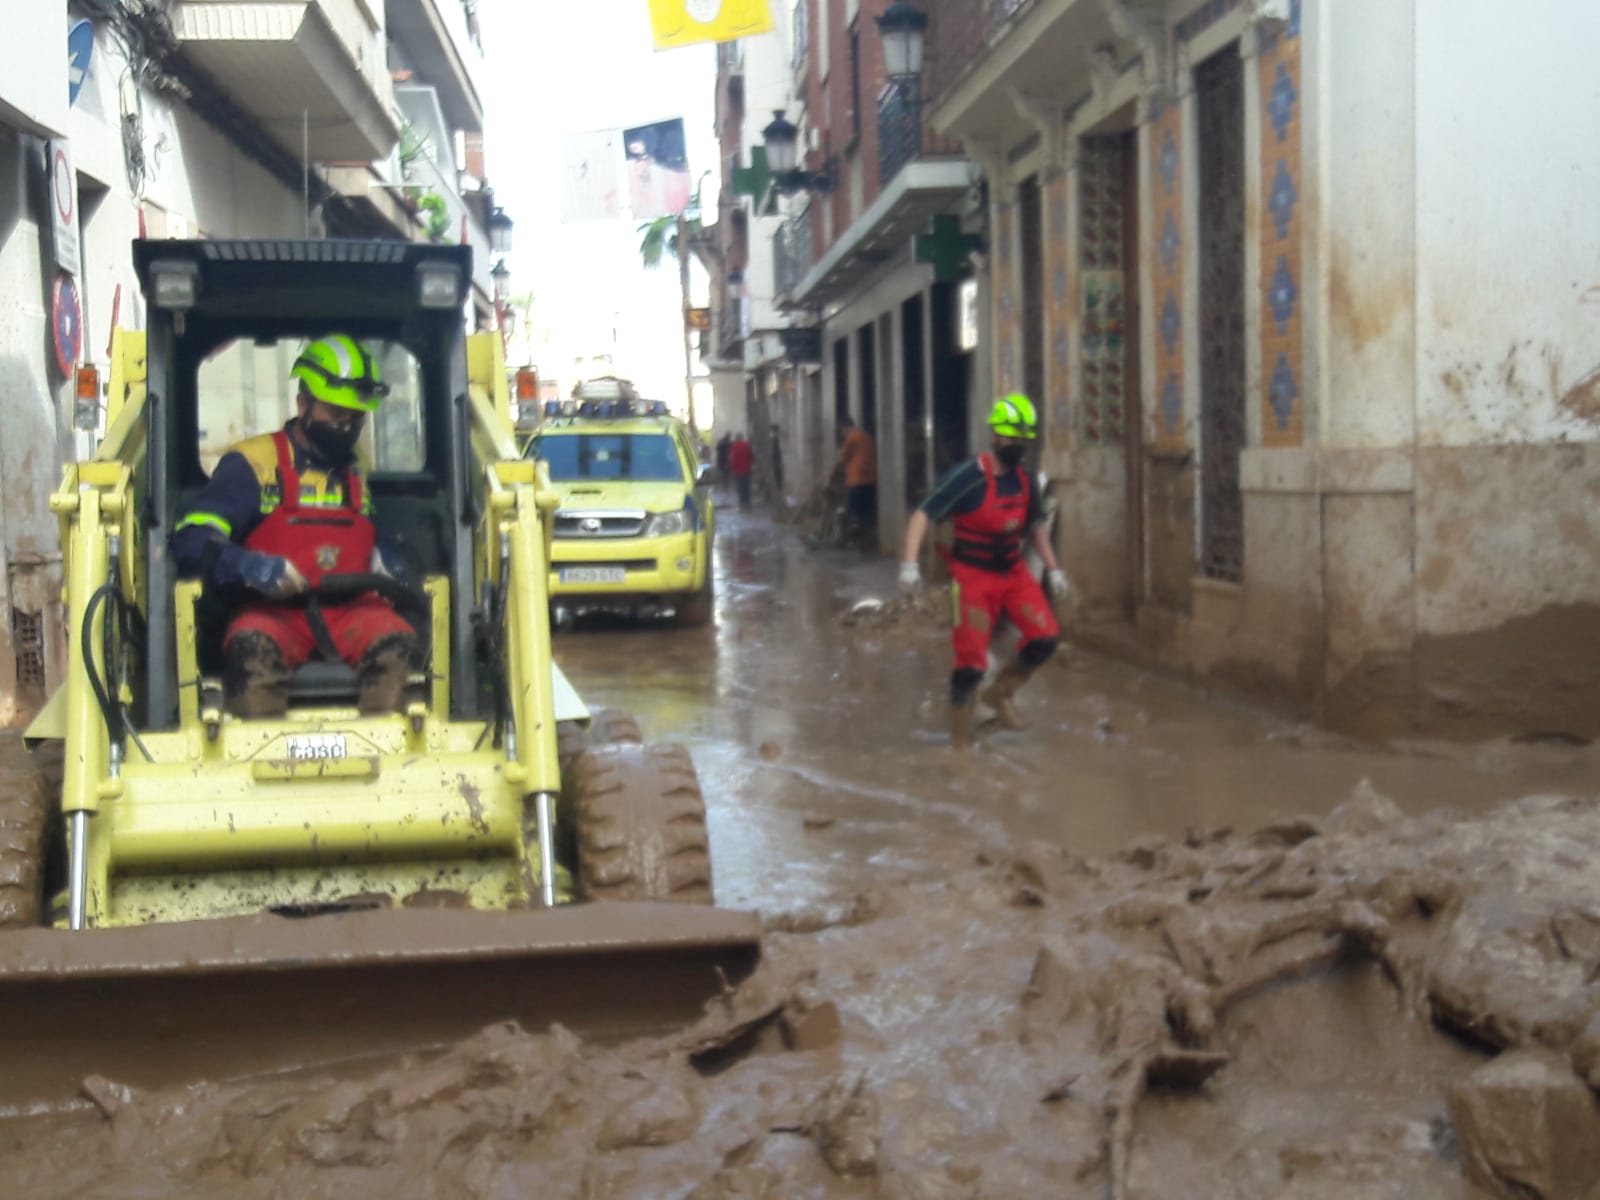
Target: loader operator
pixel 281 511
pixel 994 505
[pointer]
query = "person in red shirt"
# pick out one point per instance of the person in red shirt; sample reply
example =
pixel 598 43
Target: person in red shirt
pixel 994 505
pixel 741 462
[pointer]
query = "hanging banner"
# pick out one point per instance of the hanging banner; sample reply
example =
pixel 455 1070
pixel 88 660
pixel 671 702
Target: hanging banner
pixel 658 169
pixel 685 22
pixel 591 186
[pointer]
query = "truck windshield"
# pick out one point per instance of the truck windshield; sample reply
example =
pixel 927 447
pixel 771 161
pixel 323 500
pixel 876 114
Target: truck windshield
pixel 642 457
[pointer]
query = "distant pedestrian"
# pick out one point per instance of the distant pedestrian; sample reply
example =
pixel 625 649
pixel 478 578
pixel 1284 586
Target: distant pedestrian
pixel 858 459
pixel 741 461
pixel 723 444
pixel 777 462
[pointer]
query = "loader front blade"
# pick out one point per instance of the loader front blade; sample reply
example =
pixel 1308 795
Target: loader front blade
pixel 156 1005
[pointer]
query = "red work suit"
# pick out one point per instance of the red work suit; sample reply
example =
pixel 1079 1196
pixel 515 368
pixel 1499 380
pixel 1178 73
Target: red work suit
pixel 989 575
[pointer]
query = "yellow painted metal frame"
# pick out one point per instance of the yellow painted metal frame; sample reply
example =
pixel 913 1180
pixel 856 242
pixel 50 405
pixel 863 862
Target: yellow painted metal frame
pixel 214 818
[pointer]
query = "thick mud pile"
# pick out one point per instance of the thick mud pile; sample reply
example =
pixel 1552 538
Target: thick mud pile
pixel 1363 1006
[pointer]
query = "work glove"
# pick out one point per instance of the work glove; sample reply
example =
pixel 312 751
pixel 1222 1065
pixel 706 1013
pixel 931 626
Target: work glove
pixel 1055 582
pixel 377 566
pixel 910 578
pixel 275 578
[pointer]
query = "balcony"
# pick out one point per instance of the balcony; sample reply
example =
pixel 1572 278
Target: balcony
pixel 439 44
pixel 903 136
pixel 312 69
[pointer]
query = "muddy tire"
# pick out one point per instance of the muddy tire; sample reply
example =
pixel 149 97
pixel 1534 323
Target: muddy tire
pixel 695 610
pixel 607 727
pixel 29 790
pixel 641 825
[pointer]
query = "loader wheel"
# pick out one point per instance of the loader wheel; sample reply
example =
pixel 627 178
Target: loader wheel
pixel 27 799
pixel 641 825
pixel 607 727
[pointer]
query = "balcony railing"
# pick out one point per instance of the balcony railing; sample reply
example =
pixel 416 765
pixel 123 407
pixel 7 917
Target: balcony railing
pixel 958 34
pixel 792 253
pixel 902 135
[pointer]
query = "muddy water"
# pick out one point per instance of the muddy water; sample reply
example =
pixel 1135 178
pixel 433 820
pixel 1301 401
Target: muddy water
pixel 799 722
pixel 1046 972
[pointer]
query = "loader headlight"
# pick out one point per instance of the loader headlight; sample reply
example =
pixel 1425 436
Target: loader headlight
pixel 438 285
pixel 174 284
pixel 668 524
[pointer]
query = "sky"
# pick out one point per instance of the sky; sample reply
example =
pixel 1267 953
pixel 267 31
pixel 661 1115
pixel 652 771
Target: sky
pixel 553 68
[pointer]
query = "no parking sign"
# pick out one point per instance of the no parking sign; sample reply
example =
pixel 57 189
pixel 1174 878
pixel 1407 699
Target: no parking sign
pixel 66 323
pixel 64 207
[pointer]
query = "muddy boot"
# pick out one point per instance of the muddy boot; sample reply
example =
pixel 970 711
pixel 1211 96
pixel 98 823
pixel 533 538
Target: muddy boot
pixel 961 727
pixel 998 695
pixel 255 678
pixel 381 673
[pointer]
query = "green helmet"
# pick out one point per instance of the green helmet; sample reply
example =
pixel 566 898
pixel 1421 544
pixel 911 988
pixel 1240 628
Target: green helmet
pixel 1014 417
pixel 339 371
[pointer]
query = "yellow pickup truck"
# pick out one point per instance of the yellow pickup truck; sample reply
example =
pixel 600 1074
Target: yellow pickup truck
pixel 635 523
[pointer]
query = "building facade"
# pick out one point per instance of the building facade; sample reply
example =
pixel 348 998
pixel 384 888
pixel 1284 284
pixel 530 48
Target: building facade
pixel 198 120
pixel 1303 286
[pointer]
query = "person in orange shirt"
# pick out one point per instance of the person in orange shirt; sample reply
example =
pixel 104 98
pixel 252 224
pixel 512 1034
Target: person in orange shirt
pixel 858 459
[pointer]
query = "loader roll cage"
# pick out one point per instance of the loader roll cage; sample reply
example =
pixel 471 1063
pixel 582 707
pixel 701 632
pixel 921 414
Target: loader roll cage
pixel 206 294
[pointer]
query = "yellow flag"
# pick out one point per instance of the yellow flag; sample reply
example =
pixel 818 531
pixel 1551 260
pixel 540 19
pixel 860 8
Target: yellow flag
pixel 684 22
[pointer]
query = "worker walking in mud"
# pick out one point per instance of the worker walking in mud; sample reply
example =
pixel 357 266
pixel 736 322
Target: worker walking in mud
pixel 858 462
pixel 281 511
pixel 994 505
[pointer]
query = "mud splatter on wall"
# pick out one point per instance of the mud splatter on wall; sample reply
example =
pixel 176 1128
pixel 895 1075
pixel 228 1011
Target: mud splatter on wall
pixel 1282 360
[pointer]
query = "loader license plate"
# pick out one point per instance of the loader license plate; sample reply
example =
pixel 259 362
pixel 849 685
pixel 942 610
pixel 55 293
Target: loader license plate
pixel 316 746
pixel 594 575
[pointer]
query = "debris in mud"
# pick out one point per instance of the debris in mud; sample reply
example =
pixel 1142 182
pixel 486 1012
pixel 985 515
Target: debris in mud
pixel 928 607
pixel 1371 1005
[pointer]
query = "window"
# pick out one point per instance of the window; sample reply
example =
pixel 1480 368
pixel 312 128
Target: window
pixel 640 457
pixel 244 388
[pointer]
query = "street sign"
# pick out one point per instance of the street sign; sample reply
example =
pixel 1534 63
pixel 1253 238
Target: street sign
pixel 64 207
pixel 66 324
pixel 80 49
pixel 698 318
pixel 802 344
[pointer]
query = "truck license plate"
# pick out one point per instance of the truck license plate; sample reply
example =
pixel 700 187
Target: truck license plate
pixel 305 747
pixel 594 575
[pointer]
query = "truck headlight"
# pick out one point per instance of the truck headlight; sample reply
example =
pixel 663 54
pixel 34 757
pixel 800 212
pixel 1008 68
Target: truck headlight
pixel 668 524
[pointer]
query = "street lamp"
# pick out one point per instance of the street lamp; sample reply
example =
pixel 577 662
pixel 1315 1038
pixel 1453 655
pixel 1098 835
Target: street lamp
pixel 499 224
pixel 903 27
pixel 782 140
pixel 501 274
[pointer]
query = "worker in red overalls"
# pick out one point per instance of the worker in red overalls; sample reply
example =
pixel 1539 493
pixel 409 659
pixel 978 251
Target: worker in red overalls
pixel 280 512
pixel 994 505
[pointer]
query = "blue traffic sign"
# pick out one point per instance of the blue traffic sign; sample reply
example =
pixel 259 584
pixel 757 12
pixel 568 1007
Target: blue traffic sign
pixel 80 49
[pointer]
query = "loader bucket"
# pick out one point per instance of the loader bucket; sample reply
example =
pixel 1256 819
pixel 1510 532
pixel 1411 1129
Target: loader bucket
pixel 158 1005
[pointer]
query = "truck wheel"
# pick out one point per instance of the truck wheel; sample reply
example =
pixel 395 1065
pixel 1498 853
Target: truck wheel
pixel 695 610
pixel 641 825
pixel 30 788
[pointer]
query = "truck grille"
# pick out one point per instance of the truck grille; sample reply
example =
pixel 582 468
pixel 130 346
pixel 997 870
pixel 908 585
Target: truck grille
pixel 591 525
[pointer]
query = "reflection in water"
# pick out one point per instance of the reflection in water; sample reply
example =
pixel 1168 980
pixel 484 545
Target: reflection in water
pixel 857 760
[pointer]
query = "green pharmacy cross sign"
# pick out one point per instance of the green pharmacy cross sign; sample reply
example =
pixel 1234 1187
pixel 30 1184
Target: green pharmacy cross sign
pixel 755 181
pixel 946 248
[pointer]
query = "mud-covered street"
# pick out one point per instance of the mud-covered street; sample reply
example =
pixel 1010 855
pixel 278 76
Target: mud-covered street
pixel 1162 944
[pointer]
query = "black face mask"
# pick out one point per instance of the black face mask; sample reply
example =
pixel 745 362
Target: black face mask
pixel 334 444
pixel 1011 456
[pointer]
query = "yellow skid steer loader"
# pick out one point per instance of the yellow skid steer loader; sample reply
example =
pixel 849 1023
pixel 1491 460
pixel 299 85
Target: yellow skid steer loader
pixel 214 895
